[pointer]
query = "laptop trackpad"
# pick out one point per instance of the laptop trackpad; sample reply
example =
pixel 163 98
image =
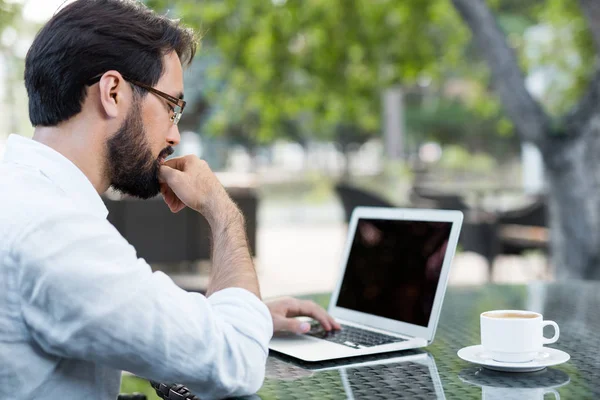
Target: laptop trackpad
pixel 285 337
pixel 307 347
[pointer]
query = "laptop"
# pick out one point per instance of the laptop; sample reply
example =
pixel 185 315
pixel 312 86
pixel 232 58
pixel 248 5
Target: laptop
pixel 391 286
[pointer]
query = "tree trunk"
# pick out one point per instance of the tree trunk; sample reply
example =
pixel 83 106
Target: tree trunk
pixel 573 174
pixel 570 146
pixel 346 153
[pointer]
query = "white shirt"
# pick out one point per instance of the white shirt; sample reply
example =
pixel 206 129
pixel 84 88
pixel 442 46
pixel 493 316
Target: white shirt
pixel 77 306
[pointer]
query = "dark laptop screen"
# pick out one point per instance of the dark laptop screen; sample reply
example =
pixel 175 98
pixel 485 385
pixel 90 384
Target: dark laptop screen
pixel 394 268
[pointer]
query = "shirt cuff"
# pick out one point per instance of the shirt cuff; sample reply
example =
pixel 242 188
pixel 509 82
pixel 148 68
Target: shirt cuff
pixel 244 299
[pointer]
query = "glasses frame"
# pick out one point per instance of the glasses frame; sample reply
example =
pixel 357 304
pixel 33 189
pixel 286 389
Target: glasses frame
pixel 179 103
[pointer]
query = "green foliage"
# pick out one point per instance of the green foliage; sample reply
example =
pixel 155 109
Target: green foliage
pixel 8 11
pixel 322 64
pixel 446 121
pixel 132 384
pixel 458 158
pixel 573 63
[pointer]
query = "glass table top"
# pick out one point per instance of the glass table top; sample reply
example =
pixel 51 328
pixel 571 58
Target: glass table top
pixel 437 372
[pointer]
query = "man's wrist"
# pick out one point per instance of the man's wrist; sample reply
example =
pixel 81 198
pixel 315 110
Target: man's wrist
pixel 224 214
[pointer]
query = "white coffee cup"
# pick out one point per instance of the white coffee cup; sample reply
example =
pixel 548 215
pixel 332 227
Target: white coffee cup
pixel 514 335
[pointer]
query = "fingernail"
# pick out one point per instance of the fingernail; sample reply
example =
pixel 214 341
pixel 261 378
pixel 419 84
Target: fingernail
pixel 304 327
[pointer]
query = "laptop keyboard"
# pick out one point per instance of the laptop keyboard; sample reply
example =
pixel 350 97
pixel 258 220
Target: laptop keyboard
pixel 352 337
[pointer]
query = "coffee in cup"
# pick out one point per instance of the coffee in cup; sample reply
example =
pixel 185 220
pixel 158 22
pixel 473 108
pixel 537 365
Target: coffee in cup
pixel 514 335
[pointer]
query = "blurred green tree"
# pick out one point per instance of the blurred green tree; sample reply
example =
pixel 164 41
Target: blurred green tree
pixel 326 63
pixel 8 11
pixel 321 63
pixel 562 122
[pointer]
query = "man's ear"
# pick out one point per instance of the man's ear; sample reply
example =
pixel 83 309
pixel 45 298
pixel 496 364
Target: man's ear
pixel 114 90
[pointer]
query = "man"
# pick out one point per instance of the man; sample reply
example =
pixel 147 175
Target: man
pixel 104 79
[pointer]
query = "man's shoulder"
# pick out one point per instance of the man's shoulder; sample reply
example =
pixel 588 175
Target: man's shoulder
pixel 34 210
pixel 24 188
pixel 27 198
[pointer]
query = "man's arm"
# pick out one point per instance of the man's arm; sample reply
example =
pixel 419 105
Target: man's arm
pixel 84 294
pixel 232 264
pixel 188 181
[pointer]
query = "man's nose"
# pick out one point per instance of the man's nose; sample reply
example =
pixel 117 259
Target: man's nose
pixel 174 137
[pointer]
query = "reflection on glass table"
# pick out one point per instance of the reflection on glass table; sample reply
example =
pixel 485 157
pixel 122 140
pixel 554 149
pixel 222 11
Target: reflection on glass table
pixel 504 385
pixel 411 375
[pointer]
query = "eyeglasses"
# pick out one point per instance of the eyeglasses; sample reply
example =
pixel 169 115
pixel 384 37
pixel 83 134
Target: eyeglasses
pixel 179 104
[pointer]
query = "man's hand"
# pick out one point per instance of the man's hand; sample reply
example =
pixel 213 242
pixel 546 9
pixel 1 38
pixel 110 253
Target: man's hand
pixel 189 181
pixel 284 310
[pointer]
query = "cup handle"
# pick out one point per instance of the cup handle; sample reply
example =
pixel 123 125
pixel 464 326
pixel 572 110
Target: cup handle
pixel 554 338
pixel 554 392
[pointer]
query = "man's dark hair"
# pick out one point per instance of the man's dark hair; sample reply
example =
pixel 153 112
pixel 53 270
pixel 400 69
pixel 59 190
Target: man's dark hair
pixel 89 37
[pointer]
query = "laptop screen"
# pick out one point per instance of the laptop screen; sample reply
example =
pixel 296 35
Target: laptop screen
pixel 394 267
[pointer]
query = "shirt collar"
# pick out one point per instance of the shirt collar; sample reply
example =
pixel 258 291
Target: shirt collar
pixel 56 167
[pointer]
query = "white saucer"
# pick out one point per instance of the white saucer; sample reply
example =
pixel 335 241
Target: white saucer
pixel 546 358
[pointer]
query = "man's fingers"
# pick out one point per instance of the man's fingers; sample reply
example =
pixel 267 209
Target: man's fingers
pixel 167 174
pixel 177 163
pixel 291 325
pixel 284 310
pixel 336 325
pixel 311 309
pixel 174 203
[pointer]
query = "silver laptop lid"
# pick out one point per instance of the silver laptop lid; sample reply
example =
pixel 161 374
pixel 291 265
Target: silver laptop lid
pixel 395 269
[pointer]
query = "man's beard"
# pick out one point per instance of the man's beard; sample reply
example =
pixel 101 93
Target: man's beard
pixel 132 168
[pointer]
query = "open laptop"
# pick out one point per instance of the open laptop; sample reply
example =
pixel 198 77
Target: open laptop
pixel 391 287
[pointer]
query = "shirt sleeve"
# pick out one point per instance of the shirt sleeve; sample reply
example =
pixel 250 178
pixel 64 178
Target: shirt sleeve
pixel 86 295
